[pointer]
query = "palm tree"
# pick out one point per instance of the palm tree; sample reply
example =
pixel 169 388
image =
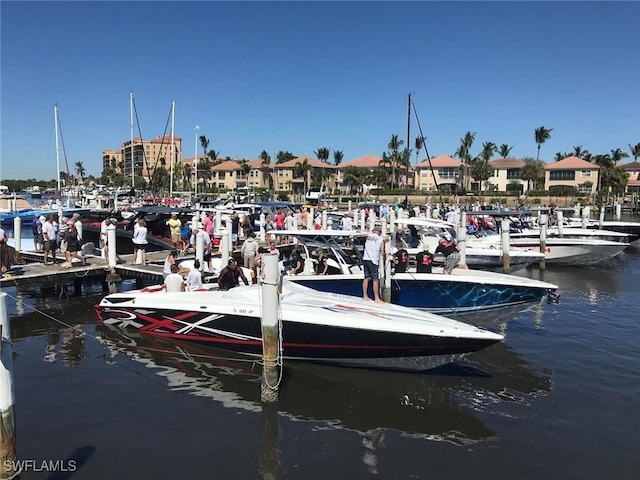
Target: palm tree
pixel 265 164
pixel 302 169
pixel 282 157
pixel 337 157
pixel 504 150
pixel 385 165
pixel 419 144
pixel 394 147
pixel 204 141
pixel 80 171
pixel 532 171
pixel 617 155
pixel 635 151
pixel 488 149
pixel 578 151
pixel 464 154
pixel 322 154
pixel 542 135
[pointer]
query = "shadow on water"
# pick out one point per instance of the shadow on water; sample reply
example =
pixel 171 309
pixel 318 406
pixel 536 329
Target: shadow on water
pixel 73 463
pixel 426 405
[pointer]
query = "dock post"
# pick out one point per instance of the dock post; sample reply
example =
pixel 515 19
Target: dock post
pixel 363 221
pixel 200 247
pixel 218 220
pixel 270 328
pixel 324 219
pixel 349 206
pixel 602 209
pixel 372 219
pixel 462 238
pixel 310 219
pixel 560 221
pixel 543 239
pixel 17 236
pixel 506 246
pixel 586 213
pixel 8 459
pixel 263 234
pixel 111 250
pixel 392 219
pixel 618 211
pixel 224 248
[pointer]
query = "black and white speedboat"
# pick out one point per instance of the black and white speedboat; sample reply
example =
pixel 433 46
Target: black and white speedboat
pixel 316 326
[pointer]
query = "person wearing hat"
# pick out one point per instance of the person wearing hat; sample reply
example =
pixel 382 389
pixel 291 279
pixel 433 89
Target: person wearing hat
pixel 230 276
pixel 373 247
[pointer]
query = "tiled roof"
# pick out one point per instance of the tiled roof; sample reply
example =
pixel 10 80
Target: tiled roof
pixel 314 162
pixel 630 166
pixel 227 166
pixel 441 161
pixel 507 163
pixel 571 163
pixel 368 161
pixel 257 163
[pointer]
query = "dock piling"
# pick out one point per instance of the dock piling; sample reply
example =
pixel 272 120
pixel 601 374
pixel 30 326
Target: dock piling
pixel 270 328
pixel 506 246
pixel 543 239
pixel 8 459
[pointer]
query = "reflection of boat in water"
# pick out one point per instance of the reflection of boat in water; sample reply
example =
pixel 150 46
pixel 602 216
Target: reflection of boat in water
pixel 361 400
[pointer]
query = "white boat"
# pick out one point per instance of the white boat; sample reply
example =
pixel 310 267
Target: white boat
pixel 579 249
pixel 425 233
pixel 482 297
pixel 316 326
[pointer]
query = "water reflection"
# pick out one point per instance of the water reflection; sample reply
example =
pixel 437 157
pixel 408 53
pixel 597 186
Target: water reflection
pixel 432 406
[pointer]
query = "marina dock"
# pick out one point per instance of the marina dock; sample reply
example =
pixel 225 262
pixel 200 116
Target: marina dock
pixel 31 269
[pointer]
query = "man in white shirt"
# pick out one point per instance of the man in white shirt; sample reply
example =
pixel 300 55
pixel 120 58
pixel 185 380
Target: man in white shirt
pixel 49 236
pixel 373 246
pixel 347 222
pixel 194 277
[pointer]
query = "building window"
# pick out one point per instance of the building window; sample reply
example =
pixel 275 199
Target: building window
pixel 586 173
pixel 449 173
pixel 562 175
pixel 584 188
pixel 221 175
pixel 282 173
pixel 424 173
pixel 513 174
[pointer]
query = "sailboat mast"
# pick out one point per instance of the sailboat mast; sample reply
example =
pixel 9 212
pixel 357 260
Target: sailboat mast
pixel 406 180
pixel 55 126
pixel 173 124
pixel 131 126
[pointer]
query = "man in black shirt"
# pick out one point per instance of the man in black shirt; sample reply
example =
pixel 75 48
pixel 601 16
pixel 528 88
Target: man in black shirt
pixel 400 258
pixel 230 276
pixel 424 260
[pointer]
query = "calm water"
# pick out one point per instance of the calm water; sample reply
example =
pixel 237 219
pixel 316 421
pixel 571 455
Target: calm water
pixel 558 399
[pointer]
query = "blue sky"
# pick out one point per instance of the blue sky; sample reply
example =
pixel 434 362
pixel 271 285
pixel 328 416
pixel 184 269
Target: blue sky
pixel 297 76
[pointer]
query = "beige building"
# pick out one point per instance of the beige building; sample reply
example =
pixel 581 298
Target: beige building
pixel 505 175
pixel 445 176
pixel 574 172
pixel 633 169
pixel 146 155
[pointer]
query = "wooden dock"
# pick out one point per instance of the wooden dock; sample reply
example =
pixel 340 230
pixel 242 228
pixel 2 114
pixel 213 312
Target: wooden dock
pixel 31 270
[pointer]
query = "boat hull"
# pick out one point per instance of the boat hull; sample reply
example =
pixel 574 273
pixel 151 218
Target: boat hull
pixel 343 332
pixel 436 293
